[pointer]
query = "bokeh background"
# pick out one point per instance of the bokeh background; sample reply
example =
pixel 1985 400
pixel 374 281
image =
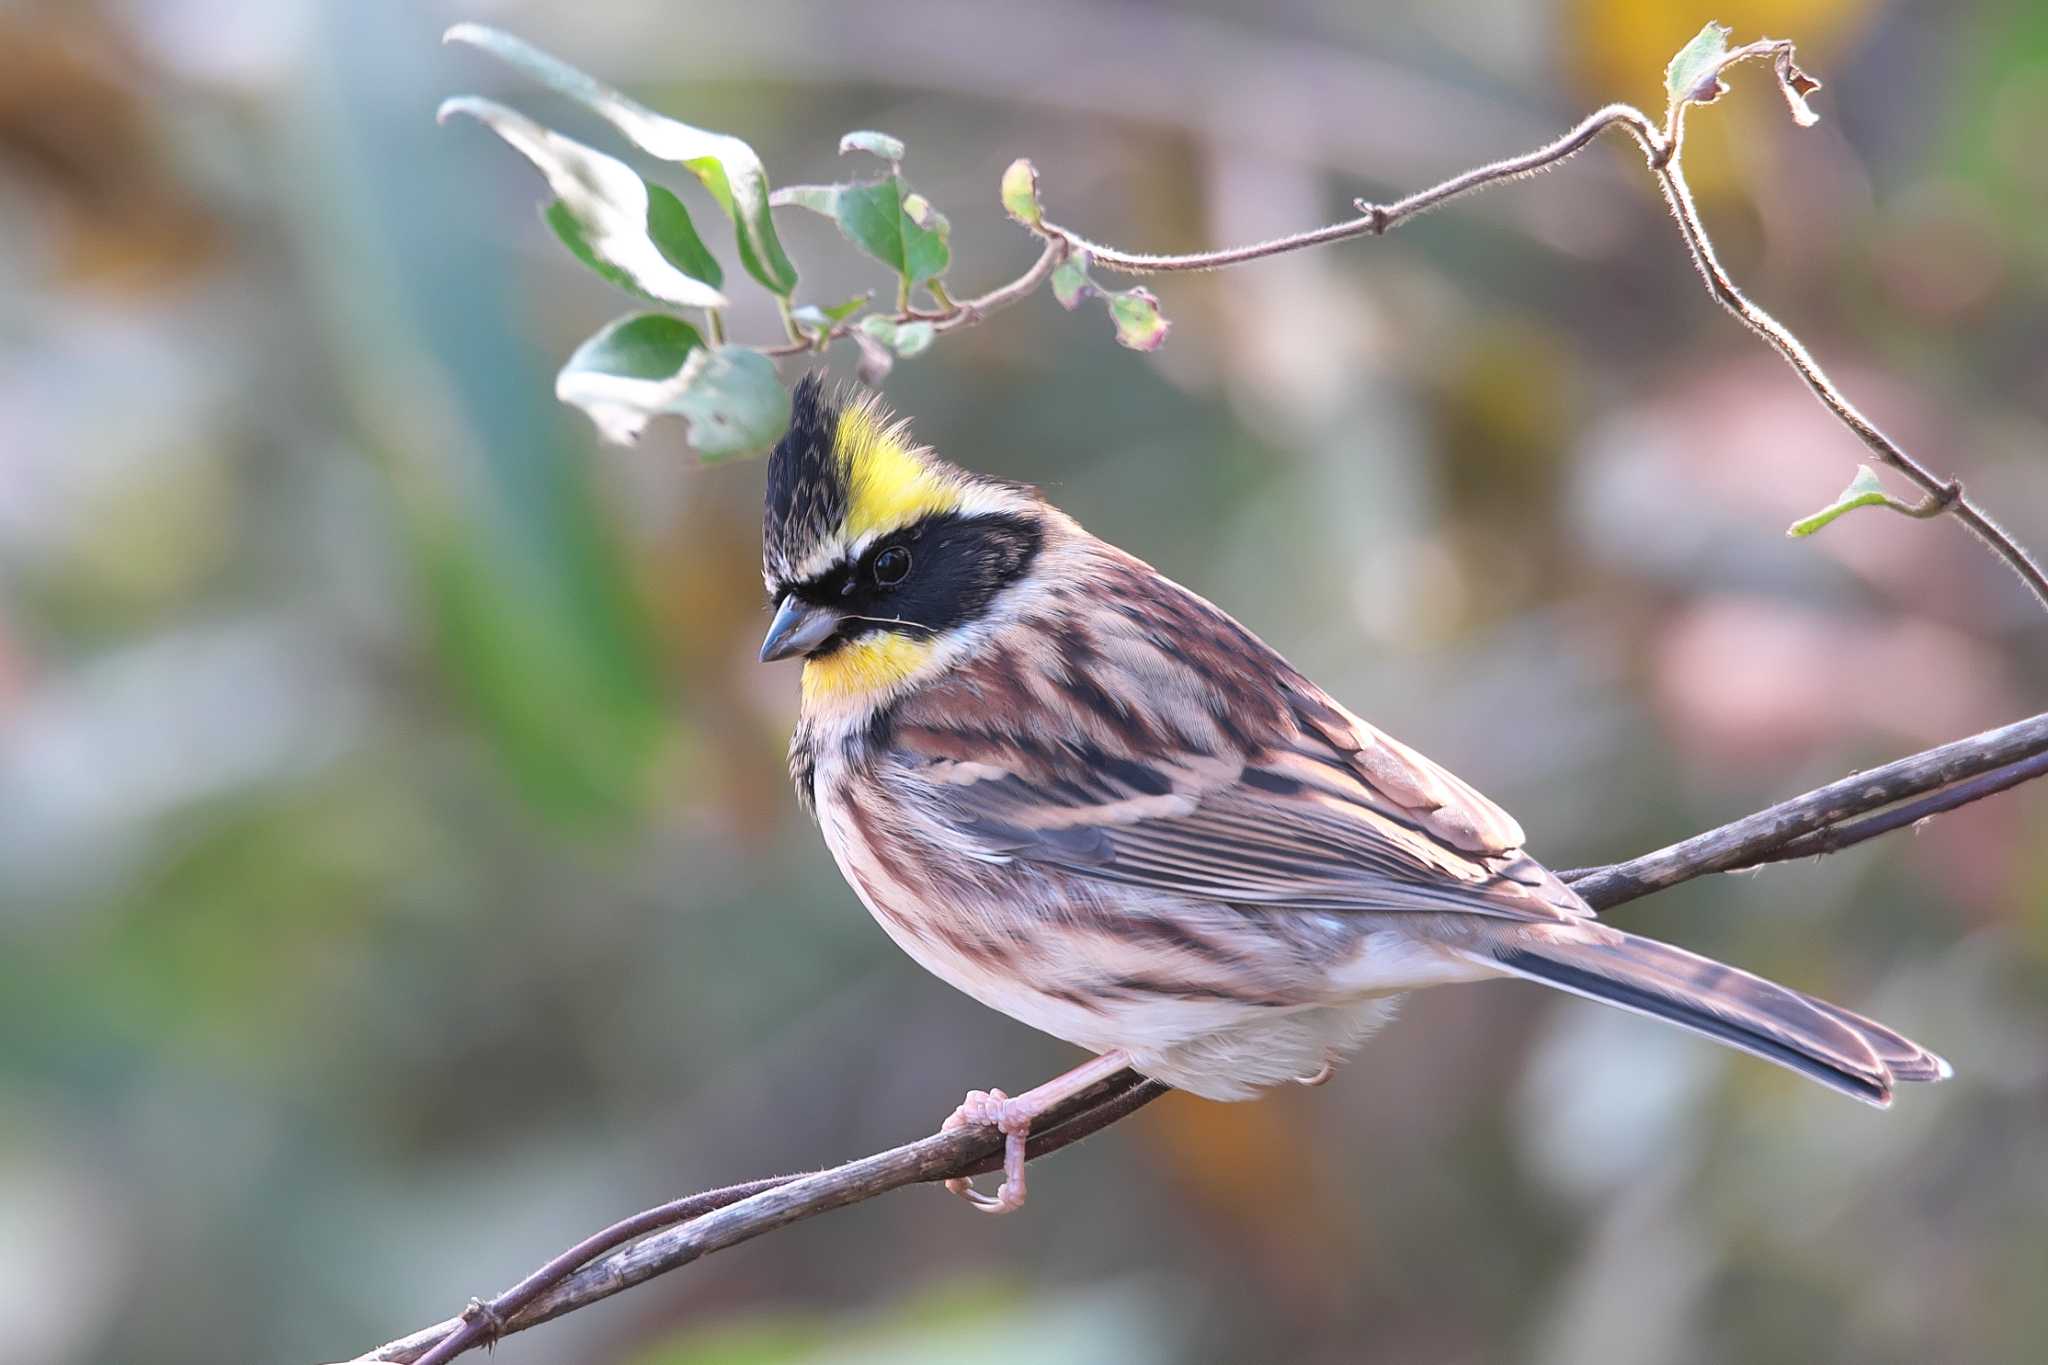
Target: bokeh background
pixel 398 877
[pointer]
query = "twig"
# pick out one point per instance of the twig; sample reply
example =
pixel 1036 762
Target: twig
pixel 717 1219
pixel 1835 838
pixel 1818 822
pixel 1662 149
pixel 951 317
pixel 974 310
pixel 1375 219
pixel 1831 817
pixel 1942 495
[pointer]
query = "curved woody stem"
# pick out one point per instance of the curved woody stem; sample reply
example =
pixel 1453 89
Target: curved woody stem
pixel 674 1234
pixel 1662 148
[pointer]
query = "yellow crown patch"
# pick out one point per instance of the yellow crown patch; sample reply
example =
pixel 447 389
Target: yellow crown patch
pixel 888 482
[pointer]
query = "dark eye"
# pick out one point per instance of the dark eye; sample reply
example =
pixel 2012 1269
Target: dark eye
pixel 892 566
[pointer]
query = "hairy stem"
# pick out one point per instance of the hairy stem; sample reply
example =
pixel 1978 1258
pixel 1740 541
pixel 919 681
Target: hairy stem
pixel 1661 148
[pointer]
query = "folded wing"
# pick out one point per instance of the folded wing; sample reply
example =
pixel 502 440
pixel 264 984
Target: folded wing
pixel 1183 755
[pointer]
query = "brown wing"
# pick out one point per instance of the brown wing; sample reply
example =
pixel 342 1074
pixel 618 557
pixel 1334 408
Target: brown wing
pixel 1146 738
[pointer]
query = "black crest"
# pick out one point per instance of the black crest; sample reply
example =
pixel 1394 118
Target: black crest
pixel 806 500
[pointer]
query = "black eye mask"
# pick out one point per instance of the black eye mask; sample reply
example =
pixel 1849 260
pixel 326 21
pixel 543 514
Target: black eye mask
pixel 940 573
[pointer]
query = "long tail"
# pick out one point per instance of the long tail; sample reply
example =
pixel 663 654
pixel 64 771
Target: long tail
pixel 1846 1051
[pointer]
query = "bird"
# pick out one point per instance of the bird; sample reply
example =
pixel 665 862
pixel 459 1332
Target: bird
pixel 1092 800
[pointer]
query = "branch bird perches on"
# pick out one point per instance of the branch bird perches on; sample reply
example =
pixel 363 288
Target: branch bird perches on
pixel 672 1235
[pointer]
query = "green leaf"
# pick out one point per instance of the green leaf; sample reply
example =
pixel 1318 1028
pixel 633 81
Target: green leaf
pixel 647 364
pixel 888 148
pixel 1692 75
pixel 904 338
pixel 1863 491
pixel 640 346
pixel 629 372
pixel 878 220
pixel 1070 282
pixel 607 205
pixel 1133 312
pixel 732 402
pixel 914 338
pixel 1139 323
pixel 920 212
pixel 882 340
pixel 884 219
pixel 820 318
pixel 668 225
pixel 840 312
pixel 1020 193
pixel 557 216
pixel 872 218
pixel 728 167
pixel 819 199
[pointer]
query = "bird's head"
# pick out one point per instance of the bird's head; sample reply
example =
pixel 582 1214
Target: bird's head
pixel 878 555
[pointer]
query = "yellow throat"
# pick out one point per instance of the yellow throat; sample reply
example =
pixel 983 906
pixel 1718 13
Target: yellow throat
pixel 871 666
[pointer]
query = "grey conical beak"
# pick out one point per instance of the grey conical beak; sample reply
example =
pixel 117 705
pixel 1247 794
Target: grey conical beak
pixel 799 627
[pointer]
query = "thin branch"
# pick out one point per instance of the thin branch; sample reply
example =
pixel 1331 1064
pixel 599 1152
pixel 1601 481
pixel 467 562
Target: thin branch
pixel 482 1322
pixel 674 1234
pixel 949 318
pixel 1373 219
pixel 974 310
pixel 1942 495
pixel 1818 821
pixel 717 1219
pixel 1060 242
pixel 1835 838
pixel 1662 150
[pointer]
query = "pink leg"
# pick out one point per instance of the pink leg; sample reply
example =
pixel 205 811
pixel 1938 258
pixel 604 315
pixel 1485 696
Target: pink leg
pixel 1013 1117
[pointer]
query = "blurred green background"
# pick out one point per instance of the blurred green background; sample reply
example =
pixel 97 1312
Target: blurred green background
pixel 398 878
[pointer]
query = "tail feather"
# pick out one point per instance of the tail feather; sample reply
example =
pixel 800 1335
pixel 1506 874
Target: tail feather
pixel 1904 1058
pixel 1825 1042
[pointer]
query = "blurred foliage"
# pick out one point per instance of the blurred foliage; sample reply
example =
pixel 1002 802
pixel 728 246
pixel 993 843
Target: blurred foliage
pixel 400 874
pixel 1119 1324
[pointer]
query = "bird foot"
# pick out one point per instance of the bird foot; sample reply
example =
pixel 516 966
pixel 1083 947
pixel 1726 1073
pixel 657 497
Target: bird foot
pixel 994 1109
pixel 1012 1116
